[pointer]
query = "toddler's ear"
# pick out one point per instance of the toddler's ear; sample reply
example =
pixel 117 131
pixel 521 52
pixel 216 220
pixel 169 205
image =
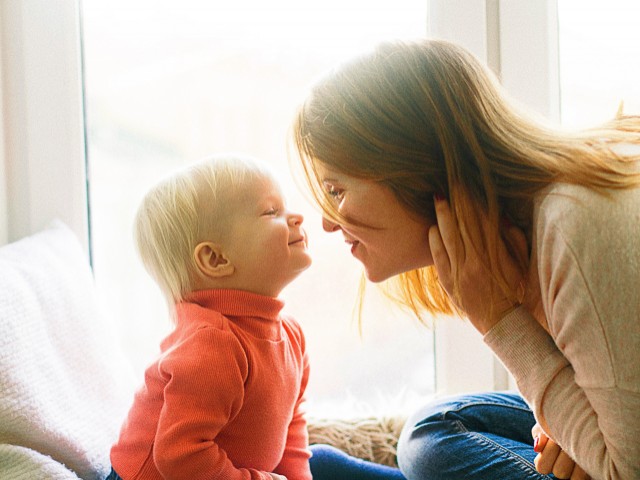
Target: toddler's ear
pixel 211 260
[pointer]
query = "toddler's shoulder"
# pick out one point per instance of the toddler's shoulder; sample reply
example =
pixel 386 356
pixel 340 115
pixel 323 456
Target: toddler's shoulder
pixel 200 326
pixel 293 329
pixel 202 337
pixel 191 316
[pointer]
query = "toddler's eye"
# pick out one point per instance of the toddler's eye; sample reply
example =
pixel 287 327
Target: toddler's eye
pixel 271 212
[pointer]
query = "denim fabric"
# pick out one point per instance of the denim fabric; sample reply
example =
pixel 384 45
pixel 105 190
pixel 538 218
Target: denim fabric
pixel 329 463
pixel 113 476
pixel 484 436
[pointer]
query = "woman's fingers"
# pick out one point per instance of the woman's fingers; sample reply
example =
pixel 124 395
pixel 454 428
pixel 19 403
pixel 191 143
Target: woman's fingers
pixel 544 461
pixel 552 459
pixel 449 232
pixel 446 247
pixel 440 257
pixel 539 438
pixel 542 442
pixel 579 474
pixel 563 466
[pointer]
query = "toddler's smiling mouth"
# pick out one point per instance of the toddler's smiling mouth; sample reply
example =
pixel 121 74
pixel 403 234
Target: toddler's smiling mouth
pixel 299 241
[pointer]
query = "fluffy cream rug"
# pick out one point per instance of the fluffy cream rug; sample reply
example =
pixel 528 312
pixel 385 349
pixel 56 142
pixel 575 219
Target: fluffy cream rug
pixel 370 438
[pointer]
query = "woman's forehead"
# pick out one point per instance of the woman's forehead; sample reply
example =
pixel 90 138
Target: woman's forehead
pixel 325 173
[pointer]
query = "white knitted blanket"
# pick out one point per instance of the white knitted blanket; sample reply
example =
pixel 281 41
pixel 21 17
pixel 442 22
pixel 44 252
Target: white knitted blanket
pixel 64 383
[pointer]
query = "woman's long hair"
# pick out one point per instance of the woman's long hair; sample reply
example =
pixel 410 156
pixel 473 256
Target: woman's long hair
pixel 427 117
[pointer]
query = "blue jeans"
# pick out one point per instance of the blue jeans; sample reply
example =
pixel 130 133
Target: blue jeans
pixel 329 463
pixel 113 476
pixel 484 436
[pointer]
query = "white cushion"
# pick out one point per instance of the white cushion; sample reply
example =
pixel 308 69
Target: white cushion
pixel 20 463
pixel 65 384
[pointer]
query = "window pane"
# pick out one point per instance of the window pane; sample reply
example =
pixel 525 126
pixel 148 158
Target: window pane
pixel 599 66
pixel 168 83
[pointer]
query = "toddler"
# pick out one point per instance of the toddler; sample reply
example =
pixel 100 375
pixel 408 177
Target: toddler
pixel 223 399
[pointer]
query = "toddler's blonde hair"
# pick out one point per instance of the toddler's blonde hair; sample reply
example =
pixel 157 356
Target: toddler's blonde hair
pixel 191 205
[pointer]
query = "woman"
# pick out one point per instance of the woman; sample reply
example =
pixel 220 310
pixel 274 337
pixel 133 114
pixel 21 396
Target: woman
pixel 438 182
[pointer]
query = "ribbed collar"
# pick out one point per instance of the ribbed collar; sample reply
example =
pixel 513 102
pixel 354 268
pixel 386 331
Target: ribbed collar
pixel 254 313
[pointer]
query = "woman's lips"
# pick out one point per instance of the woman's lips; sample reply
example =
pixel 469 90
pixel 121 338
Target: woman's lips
pixel 354 244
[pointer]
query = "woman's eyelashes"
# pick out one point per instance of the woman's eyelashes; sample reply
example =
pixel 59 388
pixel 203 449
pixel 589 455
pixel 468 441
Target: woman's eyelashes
pixel 336 194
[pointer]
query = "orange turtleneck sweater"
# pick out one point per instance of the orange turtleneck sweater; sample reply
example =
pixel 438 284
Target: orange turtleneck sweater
pixel 223 400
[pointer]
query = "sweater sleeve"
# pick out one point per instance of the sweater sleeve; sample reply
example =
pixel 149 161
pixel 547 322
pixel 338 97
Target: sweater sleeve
pixel 583 377
pixel 205 376
pixel 295 459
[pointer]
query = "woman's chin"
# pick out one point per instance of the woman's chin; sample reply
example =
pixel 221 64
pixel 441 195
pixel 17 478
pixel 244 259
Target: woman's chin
pixel 375 277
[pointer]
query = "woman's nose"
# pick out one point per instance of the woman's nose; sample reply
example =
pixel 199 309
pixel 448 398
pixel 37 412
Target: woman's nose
pixel 328 225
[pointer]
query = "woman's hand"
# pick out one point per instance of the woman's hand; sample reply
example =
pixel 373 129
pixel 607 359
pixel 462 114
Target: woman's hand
pixel 552 459
pixel 455 253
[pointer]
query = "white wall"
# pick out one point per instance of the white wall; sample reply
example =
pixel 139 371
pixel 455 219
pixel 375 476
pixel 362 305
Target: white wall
pixel 42 172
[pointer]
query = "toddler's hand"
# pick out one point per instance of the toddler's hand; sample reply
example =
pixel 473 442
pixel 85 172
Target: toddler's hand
pixel 552 459
pixel 275 476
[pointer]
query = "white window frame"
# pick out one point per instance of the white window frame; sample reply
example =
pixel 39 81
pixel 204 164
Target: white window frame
pixel 42 162
pixel 505 34
pixel 42 168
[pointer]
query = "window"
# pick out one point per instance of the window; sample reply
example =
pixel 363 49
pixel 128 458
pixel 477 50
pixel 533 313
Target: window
pixel 599 67
pixel 131 70
pixel 168 83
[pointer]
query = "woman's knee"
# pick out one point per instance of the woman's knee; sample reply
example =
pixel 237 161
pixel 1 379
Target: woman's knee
pixel 424 448
pixel 437 437
pixel 431 441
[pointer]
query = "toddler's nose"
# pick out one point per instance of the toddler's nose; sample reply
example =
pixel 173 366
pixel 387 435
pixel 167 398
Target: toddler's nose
pixel 295 219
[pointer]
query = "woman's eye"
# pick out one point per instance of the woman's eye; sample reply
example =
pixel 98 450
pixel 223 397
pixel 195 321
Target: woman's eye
pixel 335 193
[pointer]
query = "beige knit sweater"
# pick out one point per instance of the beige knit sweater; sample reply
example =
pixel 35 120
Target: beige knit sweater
pixel 580 369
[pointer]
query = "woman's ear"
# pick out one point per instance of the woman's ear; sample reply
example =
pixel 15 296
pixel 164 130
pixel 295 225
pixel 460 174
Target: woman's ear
pixel 211 261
